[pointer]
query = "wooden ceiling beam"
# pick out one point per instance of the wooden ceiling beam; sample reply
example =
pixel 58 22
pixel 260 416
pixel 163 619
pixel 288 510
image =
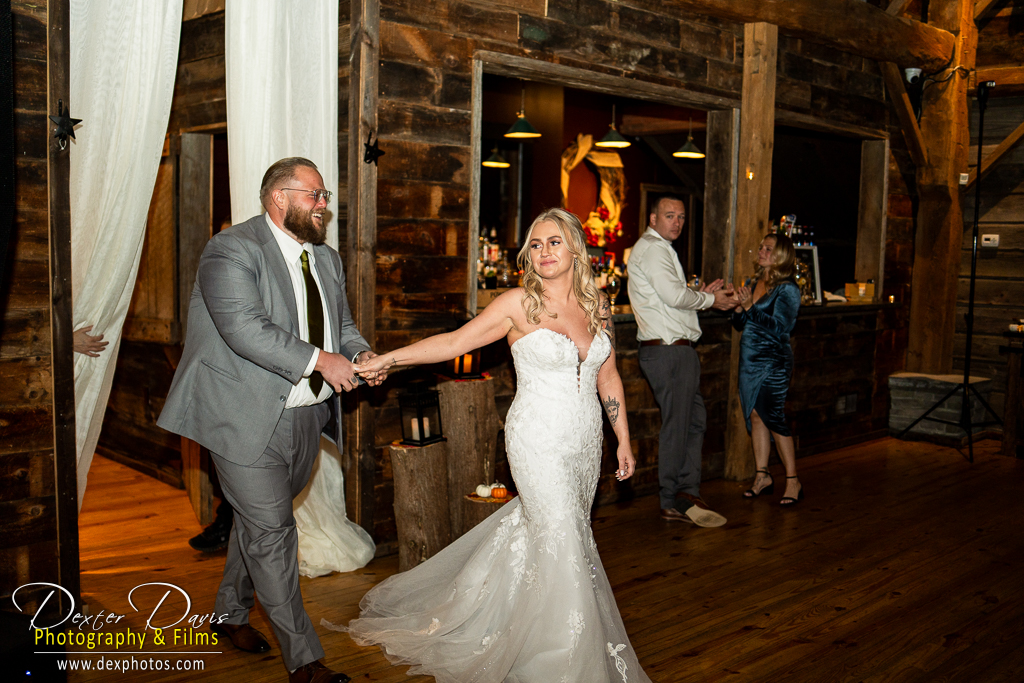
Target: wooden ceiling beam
pixel 850 25
pixel 904 112
pixel 1009 80
pixel 997 154
pixel 982 6
pixel 639 125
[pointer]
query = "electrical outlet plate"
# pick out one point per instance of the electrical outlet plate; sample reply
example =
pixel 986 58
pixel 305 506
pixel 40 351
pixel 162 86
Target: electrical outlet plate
pixel 964 177
pixel 990 241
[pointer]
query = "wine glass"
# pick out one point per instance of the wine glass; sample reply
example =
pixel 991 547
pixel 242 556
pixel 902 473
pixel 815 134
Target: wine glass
pixel 613 286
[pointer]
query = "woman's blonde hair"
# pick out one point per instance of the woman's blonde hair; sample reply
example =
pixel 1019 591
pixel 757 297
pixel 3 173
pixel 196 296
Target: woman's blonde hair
pixel 587 294
pixel 783 262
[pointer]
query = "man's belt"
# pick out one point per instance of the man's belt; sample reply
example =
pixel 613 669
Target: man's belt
pixel 658 342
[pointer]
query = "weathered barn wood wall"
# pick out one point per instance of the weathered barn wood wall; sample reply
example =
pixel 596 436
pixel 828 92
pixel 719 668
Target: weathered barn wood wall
pixel 28 486
pixel 999 293
pixel 424 113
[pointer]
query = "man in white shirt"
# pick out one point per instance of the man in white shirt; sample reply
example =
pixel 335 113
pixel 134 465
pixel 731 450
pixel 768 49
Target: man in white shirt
pixel 270 343
pixel 667 329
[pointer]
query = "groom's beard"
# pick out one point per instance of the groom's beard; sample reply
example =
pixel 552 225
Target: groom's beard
pixel 300 223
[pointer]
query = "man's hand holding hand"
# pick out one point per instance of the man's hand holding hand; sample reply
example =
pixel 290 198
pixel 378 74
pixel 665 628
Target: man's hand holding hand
pixel 337 370
pixel 725 299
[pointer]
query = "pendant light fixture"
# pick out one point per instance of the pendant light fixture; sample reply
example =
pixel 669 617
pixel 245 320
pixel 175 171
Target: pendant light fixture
pixel 689 150
pixel 613 139
pixel 522 128
pixel 496 160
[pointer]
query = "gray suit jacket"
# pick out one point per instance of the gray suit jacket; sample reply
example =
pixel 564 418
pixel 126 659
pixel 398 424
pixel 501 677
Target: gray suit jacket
pixel 243 353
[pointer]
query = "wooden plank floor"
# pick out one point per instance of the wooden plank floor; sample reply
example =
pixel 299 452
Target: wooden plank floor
pixel 904 563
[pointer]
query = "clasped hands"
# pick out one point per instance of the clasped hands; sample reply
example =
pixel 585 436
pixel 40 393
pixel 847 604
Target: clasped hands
pixel 340 372
pixel 727 297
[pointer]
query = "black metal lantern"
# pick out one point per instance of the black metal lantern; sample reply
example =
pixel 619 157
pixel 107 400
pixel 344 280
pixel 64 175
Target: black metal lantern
pixel 421 415
pixel 466 366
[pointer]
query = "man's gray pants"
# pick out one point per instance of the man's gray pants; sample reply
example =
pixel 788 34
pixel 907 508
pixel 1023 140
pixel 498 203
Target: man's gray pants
pixel 263 548
pixel 674 375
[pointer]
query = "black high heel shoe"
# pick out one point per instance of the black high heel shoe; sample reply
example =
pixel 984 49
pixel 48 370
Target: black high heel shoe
pixel 767 490
pixel 790 501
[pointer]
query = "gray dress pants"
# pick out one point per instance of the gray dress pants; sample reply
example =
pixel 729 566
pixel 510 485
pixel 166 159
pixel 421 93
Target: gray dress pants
pixel 674 375
pixel 263 548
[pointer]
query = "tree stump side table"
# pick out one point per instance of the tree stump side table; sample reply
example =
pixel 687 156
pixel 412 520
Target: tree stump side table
pixel 421 501
pixel 471 424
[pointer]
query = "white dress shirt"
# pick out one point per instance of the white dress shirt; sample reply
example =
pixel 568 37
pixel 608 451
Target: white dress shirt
pixel 664 307
pixel 301 394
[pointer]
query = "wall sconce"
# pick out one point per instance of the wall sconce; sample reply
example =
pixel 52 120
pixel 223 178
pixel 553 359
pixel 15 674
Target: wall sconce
pixel 496 160
pixel 613 139
pixel 420 409
pixel 466 366
pixel 689 150
pixel 750 174
pixel 522 128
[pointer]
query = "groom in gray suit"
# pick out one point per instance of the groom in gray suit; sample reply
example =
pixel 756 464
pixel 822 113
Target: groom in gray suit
pixel 270 343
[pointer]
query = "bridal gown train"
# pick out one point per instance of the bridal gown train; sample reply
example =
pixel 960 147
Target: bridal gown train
pixel 522 597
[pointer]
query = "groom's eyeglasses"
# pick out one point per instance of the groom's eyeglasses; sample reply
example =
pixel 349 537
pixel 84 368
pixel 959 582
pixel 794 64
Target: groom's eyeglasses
pixel 317 195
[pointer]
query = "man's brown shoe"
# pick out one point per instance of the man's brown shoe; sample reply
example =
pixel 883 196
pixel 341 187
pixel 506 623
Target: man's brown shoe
pixel 699 513
pixel 242 636
pixel 315 672
pixel 673 515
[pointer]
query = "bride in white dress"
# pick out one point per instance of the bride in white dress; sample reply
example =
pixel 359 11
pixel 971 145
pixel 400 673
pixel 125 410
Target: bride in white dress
pixel 523 596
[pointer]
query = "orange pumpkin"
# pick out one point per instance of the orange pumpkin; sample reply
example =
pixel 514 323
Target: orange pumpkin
pixel 499 492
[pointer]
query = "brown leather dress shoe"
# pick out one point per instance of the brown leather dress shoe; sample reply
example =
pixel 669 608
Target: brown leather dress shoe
pixel 673 515
pixel 699 513
pixel 315 672
pixel 242 636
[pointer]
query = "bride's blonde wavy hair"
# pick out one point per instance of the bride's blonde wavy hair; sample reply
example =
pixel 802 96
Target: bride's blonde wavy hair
pixel 587 294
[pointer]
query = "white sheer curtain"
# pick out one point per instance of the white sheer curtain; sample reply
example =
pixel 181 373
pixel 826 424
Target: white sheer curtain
pixel 123 59
pixel 281 61
pixel 281 64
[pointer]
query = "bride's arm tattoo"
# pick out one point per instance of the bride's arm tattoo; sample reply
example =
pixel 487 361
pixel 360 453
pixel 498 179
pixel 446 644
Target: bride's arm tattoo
pixel 611 406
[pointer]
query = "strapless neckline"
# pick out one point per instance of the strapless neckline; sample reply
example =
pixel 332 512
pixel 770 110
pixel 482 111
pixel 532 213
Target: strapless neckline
pixel 560 336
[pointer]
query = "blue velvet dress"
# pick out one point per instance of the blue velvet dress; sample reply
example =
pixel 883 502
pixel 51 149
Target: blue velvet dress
pixel 766 359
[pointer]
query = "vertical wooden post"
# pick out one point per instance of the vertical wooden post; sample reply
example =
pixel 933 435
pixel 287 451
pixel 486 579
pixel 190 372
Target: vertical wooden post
pixel 362 250
pixel 65 454
pixel 195 213
pixel 757 138
pixel 940 224
pixel 720 177
pixel 872 212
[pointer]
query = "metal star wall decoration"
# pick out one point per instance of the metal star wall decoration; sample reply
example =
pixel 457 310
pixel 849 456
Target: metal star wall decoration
pixel 372 152
pixel 65 125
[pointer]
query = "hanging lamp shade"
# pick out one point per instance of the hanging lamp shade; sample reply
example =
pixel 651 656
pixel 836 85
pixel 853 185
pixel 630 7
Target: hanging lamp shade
pixel 496 160
pixel 689 150
pixel 613 139
pixel 522 128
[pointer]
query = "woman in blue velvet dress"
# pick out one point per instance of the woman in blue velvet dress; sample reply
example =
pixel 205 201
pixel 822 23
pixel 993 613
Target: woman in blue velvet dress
pixel 766 315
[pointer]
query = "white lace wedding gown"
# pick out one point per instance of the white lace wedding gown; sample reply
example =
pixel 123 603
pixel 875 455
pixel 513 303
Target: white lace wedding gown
pixel 522 597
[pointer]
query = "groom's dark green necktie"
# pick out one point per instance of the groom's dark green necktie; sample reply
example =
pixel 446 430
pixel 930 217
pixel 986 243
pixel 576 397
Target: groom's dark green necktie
pixel 314 319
